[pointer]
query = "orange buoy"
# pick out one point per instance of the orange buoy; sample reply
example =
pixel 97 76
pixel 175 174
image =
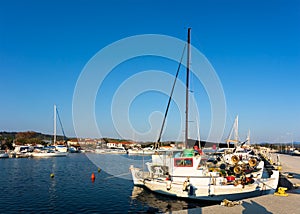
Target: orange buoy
pixel 93 177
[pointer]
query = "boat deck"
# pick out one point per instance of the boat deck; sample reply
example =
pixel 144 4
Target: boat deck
pixel 266 203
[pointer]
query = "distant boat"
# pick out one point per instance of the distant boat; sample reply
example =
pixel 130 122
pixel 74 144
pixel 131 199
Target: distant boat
pixel 119 150
pixel 3 154
pixel 45 153
pixel 73 149
pixel 61 148
pixel 144 151
pixel 238 153
pixel 51 151
pixel 234 133
pixel 22 151
pixel 296 152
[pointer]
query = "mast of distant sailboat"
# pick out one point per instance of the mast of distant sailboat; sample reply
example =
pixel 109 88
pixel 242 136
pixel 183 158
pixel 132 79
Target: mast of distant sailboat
pixel 235 131
pixel 54 131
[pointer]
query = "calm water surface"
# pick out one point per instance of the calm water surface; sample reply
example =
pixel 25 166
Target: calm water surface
pixel 26 187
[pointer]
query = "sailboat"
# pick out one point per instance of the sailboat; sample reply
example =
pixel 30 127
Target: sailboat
pixel 51 151
pixel 238 153
pixel 234 133
pixel 187 174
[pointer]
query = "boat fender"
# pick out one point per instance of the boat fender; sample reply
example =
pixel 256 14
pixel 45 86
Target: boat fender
pixel 169 181
pixel 185 185
pixel 169 184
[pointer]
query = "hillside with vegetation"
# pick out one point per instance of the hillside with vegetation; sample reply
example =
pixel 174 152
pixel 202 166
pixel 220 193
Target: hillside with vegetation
pixel 8 139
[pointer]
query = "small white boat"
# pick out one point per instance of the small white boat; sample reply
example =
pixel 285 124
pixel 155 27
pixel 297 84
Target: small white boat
pixel 75 149
pixel 111 150
pixel 296 152
pixel 115 151
pixel 3 154
pixel 46 153
pixel 144 151
pixel 22 151
pixel 61 148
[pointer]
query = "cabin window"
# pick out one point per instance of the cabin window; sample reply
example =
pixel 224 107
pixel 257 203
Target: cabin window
pixel 183 162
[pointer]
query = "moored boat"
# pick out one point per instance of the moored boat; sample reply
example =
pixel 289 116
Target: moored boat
pixel 296 152
pixel 190 174
pixel 45 153
pixel 193 176
pixel 3 154
pixel 61 148
pixel 111 151
pixel 144 151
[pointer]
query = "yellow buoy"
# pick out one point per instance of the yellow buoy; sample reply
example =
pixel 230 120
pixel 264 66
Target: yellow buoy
pixel 99 170
pixel 52 175
pixel 281 192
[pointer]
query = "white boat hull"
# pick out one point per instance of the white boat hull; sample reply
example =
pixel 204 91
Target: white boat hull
pixel 4 155
pixel 110 151
pixel 47 155
pixel 140 152
pixel 202 189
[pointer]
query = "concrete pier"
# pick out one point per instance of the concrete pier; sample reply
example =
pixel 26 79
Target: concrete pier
pixel 267 203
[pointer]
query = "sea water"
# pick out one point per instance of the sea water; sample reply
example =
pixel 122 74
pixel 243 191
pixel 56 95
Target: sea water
pixel 27 187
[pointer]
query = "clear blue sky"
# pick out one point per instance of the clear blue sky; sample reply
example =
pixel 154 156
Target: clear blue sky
pixel 253 45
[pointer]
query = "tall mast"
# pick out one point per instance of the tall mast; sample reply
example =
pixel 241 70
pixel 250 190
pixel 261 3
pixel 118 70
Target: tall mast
pixel 187 88
pixel 54 128
pixel 234 131
pixel 248 137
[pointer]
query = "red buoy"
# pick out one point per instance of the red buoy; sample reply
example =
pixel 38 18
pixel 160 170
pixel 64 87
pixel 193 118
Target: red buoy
pixel 93 177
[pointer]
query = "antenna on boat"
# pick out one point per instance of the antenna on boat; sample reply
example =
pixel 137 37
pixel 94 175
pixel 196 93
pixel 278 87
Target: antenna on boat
pixel 187 87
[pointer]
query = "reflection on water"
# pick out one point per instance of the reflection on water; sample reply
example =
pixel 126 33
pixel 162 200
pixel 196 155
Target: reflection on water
pixel 53 184
pixel 160 203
